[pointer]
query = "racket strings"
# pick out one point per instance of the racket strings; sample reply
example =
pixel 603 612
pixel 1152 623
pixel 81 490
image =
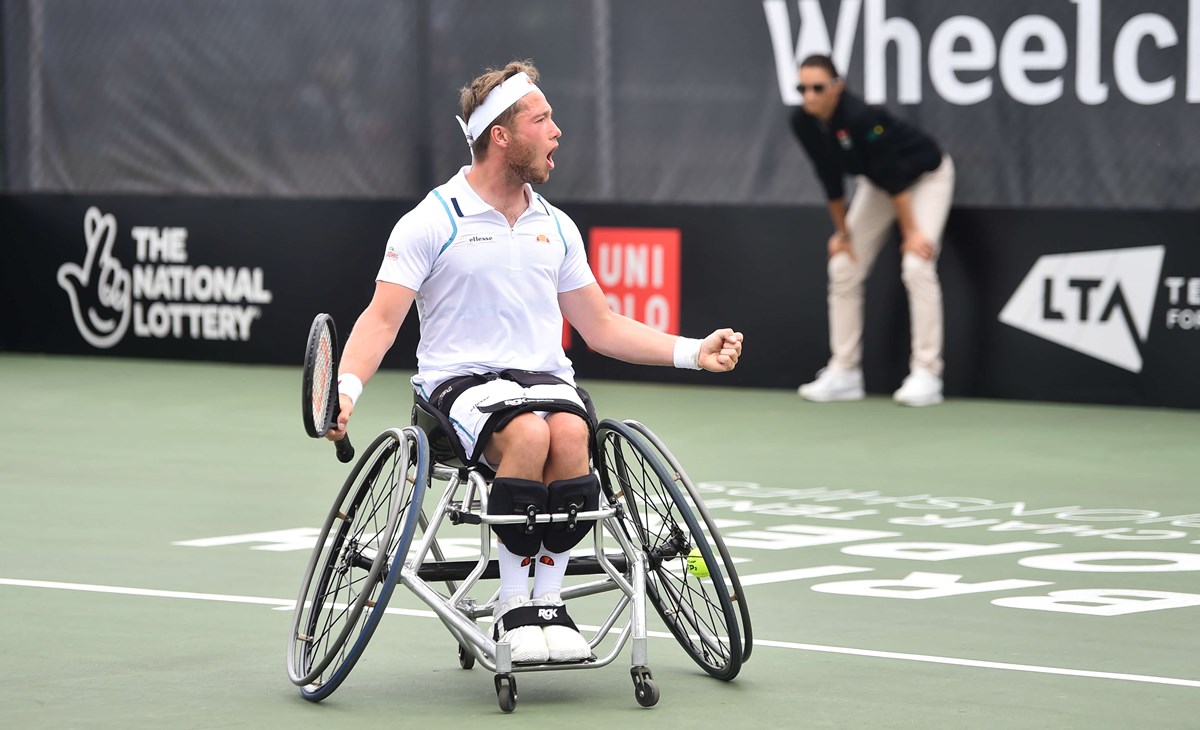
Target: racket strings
pixel 322 379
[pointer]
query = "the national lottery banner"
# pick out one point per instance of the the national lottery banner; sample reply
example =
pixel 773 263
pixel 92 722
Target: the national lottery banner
pixel 178 278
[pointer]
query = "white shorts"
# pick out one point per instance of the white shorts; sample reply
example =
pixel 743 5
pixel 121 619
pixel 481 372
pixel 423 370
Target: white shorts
pixel 469 419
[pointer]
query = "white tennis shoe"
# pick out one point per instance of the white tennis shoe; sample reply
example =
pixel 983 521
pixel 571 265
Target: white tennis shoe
pixel 527 644
pixel 563 643
pixel 834 384
pixel 920 388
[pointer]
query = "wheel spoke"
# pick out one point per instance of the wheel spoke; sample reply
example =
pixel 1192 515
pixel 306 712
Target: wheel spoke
pixel 658 515
pixel 350 577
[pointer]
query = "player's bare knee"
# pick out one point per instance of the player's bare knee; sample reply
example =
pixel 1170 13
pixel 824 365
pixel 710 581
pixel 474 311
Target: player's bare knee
pixel 569 440
pixel 526 435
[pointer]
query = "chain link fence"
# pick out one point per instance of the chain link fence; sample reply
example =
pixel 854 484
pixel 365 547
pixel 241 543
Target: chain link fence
pixel 671 101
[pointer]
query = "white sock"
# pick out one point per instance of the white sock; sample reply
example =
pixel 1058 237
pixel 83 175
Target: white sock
pixel 514 577
pixel 549 573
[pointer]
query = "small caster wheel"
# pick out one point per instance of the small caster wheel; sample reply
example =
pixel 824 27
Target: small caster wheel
pixel 646 693
pixel 644 688
pixel 506 692
pixel 466 659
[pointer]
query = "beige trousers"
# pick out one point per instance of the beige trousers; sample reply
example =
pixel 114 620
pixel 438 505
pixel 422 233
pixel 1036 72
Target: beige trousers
pixel 869 222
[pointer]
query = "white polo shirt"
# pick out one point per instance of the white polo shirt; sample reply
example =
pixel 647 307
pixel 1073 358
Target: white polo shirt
pixel 487 294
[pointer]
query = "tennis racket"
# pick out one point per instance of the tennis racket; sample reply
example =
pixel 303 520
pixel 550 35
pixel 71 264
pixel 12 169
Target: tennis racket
pixel 319 394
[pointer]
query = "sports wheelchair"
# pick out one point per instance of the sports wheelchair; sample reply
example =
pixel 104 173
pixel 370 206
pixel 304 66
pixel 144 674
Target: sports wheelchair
pixel 654 542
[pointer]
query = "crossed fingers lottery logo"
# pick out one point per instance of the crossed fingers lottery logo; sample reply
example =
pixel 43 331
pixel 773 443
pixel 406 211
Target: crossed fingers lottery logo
pixel 161 295
pixel 100 290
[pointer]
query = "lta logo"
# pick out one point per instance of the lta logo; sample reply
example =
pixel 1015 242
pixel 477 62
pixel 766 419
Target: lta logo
pixel 1099 303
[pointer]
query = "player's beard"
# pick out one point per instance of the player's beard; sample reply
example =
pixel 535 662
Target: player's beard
pixel 522 164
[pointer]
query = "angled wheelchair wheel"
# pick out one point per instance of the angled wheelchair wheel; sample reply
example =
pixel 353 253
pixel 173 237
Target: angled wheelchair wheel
pixel 662 516
pixel 692 496
pixel 357 560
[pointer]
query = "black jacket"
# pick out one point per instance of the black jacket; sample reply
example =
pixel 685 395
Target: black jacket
pixel 861 139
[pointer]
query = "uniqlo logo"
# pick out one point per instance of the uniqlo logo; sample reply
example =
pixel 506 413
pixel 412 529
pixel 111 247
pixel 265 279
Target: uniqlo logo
pixel 638 269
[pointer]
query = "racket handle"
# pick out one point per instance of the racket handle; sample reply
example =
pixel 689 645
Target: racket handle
pixel 345 452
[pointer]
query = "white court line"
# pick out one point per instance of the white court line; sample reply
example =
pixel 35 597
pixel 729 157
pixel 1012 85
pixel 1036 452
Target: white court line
pixel 977 663
pixel 785 576
pixel 980 663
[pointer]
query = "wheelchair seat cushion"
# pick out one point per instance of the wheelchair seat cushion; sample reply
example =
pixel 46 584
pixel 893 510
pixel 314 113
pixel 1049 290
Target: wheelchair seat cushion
pixel 519 391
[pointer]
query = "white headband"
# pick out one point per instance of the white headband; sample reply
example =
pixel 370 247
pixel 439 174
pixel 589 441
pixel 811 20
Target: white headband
pixel 498 100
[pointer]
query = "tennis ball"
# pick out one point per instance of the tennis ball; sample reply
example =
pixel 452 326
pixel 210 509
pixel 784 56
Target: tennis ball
pixel 696 565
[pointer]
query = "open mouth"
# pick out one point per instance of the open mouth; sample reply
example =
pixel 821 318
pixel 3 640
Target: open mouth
pixel 550 158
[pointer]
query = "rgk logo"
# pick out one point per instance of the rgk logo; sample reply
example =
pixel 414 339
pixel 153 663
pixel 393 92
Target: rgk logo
pixel 1098 303
pixel 547 614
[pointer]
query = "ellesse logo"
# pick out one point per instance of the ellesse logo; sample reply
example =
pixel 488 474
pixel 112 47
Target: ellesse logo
pixel 1098 303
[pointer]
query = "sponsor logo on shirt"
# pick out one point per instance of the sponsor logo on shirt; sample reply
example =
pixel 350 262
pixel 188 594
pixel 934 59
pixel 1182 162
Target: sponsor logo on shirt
pixel 843 138
pixel 478 239
pixel 543 238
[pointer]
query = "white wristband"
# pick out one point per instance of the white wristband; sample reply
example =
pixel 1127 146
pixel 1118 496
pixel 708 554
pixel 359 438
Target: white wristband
pixel 687 353
pixel 350 386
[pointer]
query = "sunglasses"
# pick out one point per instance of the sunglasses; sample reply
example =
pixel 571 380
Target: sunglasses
pixel 815 88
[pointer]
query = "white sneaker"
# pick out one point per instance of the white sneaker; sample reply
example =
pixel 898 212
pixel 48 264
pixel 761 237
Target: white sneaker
pixel 834 384
pixel 564 643
pixel 527 644
pixel 920 388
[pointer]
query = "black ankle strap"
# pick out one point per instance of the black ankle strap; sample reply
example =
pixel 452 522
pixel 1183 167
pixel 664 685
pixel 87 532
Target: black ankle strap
pixel 529 615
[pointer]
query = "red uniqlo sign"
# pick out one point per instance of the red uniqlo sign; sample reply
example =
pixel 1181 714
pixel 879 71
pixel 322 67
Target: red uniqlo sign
pixel 638 269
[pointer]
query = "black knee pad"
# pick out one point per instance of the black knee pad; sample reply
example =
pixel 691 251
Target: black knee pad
pixel 511 496
pixel 580 494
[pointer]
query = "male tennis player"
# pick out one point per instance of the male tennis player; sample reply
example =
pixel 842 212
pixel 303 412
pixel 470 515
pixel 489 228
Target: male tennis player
pixel 493 269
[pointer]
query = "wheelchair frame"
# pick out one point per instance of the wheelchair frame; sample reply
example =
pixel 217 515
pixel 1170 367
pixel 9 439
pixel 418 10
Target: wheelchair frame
pixel 649 507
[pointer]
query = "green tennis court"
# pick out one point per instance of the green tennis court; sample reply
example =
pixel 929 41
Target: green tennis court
pixel 978 564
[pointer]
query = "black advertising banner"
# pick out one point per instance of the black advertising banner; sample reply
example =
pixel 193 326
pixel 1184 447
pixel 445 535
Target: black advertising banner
pixel 183 278
pixel 1080 306
pixel 1090 306
pixel 240 280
